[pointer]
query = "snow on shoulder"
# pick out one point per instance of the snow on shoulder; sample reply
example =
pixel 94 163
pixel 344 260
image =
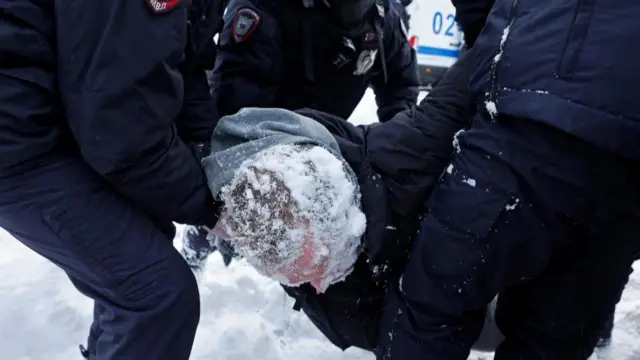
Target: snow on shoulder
pixel 293 212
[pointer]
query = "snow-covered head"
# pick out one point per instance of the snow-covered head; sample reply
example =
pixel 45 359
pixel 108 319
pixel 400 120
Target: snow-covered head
pixel 293 212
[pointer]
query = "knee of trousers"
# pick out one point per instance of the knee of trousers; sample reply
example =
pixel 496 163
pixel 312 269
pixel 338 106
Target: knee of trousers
pixel 168 286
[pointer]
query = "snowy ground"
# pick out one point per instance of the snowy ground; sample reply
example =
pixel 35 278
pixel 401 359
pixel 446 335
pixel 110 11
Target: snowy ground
pixel 244 316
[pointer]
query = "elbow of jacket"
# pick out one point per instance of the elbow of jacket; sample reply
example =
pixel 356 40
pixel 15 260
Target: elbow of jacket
pixel 115 166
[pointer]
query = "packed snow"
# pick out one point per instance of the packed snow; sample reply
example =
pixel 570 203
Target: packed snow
pixel 244 315
pixel 302 205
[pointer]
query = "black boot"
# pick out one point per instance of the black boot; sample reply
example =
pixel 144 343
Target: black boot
pixel 605 333
pixel 83 351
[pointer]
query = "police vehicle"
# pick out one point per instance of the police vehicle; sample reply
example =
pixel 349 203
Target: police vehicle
pixel 435 36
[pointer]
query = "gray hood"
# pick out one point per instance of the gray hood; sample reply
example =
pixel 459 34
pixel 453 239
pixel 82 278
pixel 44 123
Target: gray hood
pixel 238 137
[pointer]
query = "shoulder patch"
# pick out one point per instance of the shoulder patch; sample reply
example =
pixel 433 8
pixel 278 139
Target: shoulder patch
pixel 245 23
pixel 162 6
pixel 371 37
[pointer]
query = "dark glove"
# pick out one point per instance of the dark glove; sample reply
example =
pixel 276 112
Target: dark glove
pixel 226 250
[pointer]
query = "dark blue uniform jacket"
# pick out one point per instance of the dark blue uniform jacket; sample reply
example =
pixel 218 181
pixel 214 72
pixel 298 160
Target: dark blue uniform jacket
pixel 295 57
pixel 118 84
pixel 568 64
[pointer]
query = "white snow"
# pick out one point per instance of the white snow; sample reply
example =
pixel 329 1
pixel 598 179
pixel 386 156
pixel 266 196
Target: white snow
pixel 310 186
pixel 503 40
pixel 492 108
pixel 244 315
pixel 470 182
pixel 456 141
pixel 513 206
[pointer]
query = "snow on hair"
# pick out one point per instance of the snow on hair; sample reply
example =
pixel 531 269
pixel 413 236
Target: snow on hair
pixel 284 186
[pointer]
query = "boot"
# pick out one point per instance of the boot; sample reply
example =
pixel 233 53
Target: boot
pixel 606 332
pixel 83 351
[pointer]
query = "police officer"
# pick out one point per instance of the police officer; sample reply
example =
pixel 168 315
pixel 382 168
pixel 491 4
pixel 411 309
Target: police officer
pixel 105 108
pixel 472 16
pixel 540 202
pixel 319 54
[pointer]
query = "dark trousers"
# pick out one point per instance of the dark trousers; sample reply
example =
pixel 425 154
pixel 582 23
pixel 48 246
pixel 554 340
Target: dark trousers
pixel 146 297
pixel 547 221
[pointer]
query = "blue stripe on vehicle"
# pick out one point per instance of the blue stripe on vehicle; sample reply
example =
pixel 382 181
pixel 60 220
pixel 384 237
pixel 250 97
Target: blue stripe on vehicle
pixel 428 50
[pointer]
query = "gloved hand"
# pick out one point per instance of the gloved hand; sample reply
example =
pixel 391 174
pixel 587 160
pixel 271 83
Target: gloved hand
pixel 196 246
pixel 226 250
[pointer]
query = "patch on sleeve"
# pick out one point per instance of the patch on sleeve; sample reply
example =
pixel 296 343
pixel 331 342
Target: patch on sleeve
pixel 162 6
pixel 245 23
pixel 370 36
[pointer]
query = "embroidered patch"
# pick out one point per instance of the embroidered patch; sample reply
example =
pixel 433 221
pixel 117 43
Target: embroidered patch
pixel 371 36
pixel 245 23
pixel 162 6
pixel 365 61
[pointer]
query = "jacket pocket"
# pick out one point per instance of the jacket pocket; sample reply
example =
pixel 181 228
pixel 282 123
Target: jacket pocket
pixel 575 39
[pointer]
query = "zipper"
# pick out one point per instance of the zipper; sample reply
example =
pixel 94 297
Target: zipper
pixel 575 39
pixel 495 67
